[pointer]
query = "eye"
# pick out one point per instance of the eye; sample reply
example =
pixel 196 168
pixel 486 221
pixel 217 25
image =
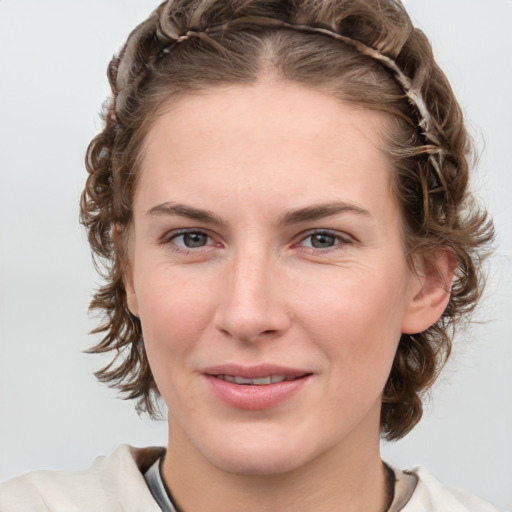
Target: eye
pixel 323 240
pixel 190 239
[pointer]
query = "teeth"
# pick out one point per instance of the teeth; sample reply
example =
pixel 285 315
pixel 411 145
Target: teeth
pixel 242 380
pixel 262 381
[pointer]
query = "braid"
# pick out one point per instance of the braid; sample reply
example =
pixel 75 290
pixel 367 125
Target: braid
pixel 169 32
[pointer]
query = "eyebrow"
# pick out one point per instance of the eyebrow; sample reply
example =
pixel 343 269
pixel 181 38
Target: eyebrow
pixel 182 210
pixel 305 214
pixel 320 211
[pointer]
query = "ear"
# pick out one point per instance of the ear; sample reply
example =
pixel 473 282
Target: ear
pixel 431 289
pixel 122 243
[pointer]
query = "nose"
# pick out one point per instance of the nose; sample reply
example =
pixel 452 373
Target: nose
pixel 252 306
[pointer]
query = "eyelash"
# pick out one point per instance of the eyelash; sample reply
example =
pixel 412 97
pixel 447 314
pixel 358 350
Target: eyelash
pixel 338 240
pixel 170 240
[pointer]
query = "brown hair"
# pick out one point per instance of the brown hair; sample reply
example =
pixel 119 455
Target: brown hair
pixel 189 46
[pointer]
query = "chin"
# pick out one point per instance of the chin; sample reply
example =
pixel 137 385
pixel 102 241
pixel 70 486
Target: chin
pixel 260 464
pixel 259 455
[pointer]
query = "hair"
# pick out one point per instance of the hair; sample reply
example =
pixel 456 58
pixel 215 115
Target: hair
pixel 366 52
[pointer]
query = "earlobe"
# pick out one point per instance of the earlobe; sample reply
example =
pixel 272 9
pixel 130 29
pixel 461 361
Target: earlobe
pixel 119 238
pixel 131 298
pixel 431 292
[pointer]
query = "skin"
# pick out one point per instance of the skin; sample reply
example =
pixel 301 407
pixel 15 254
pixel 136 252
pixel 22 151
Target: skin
pixel 329 292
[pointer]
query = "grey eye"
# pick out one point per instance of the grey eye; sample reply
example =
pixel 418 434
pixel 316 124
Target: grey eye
pixel 191 240
pixel 323 240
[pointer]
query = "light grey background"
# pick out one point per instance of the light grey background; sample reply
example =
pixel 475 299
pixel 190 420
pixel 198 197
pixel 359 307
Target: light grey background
pixel 53 415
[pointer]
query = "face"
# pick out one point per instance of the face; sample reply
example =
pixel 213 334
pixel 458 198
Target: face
pixel 267 267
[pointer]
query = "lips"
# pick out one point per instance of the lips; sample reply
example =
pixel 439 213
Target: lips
pixel 262 381
pixel 256 387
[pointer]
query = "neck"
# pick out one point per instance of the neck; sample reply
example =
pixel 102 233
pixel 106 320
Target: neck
pixel 352 479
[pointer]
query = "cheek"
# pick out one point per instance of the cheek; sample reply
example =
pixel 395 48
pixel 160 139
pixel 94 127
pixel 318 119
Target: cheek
pixel 356 320
pixel 175 312
pixel 350 302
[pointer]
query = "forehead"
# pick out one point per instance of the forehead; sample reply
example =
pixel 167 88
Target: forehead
pixel 274 107
pixel 269 137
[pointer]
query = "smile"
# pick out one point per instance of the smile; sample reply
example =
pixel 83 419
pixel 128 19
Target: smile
pixel 262 381
pixel 257 387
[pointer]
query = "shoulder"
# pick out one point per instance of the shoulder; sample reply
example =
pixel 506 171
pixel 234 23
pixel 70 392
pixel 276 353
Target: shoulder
pixel 112 483
pixel 431 496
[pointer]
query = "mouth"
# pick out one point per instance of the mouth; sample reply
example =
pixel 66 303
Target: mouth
pixel 261 381
pixel 257 375
pixel 256 387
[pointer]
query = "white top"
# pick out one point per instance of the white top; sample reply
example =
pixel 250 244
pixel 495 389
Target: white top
pixel 116 484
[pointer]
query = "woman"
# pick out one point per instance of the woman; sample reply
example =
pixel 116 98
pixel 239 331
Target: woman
pixel 280 194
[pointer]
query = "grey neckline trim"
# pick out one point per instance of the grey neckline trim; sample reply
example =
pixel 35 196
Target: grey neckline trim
pixel 157 487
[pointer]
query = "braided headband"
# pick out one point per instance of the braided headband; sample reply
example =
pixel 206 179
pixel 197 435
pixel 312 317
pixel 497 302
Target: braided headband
pixel 169 31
